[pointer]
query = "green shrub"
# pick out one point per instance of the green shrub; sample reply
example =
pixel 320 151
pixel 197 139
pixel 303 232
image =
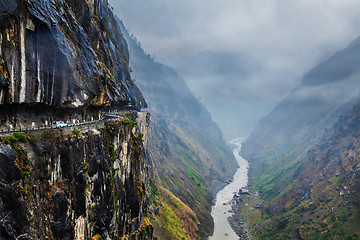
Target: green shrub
pixel 22 137
pixel 104 24
pixel 11 140
pixel 94 211
pixel 282 223
pixel 76 132
pixel 43 176
pixel 86 166
pixel 111 150
pixel 26 174
pixel 129 121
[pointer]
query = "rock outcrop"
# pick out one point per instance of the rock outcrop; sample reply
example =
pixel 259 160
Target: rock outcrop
pixel 76 186
pixel 63 53
pixel 67 60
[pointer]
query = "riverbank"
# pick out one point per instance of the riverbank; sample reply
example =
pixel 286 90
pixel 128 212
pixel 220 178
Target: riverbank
pixel 239 221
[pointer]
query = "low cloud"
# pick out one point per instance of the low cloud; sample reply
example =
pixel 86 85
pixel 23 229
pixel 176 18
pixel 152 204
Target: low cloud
pixel 267 29
pixel 287 38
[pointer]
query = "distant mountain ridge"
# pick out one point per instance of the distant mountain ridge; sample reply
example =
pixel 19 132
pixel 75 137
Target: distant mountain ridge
pixel 209 63
pixel 342 65
pixel 325 93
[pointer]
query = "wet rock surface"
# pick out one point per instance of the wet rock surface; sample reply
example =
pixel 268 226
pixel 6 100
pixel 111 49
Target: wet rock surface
pixel 63 53
pixel 76 186
pixel 67 60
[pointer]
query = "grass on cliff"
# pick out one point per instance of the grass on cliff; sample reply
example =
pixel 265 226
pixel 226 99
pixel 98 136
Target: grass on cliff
pixel 18 137
pixel 316 218
pixel 187 181
pixel 187 166
pixel 174 219
pixel 16 142
pixel 270 176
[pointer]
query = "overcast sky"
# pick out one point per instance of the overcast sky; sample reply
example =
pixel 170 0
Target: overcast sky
pixel 287 37
pixel 174 30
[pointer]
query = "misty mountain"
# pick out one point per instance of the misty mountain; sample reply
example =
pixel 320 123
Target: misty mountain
pixel 222 81
pixel 186 146
pixel 208 63
pixel 343 65
pixel 305 148
pixel 328 91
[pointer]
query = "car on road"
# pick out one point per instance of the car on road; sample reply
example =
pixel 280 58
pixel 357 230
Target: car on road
pixel 59 124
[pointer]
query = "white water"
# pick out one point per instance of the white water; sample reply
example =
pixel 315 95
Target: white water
pixel 222 228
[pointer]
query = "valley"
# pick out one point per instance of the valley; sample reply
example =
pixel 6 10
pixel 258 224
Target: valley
pixel 116 116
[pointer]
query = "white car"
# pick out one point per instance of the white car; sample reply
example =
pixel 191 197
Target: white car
pixel 59 124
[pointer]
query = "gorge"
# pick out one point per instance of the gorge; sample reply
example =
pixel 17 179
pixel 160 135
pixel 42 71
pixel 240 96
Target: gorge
pixel 100 140
pixel 108 171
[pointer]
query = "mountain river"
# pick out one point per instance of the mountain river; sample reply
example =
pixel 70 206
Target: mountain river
pixel 220 212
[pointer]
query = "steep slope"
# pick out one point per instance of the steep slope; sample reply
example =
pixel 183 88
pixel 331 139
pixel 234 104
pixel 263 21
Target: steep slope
pixel 281 139
pixel 64 184
pixel 62 54
pixel 303 156
pixel 186 146
pixel 322 199
pixel 67 60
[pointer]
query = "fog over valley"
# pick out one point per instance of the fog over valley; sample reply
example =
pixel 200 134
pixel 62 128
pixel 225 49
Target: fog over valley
pixel 285 76
pixel 284 39
pixel 180 120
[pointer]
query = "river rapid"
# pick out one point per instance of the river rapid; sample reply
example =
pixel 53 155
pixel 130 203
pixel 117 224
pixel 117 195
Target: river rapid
pixel 222 208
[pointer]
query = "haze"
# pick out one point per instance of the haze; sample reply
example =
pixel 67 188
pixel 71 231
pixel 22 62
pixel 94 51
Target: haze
pixel 285 39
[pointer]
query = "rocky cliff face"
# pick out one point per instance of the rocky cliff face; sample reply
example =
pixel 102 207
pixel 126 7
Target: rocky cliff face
pixel 67 60
pixel 63 53
pixel 76 186
pixel 187 147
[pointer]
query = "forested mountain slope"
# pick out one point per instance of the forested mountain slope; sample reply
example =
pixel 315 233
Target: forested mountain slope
pixel 304 156
pixel 299 121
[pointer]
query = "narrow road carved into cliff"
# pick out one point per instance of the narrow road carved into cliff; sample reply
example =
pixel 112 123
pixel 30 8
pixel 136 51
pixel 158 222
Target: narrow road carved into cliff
pixel 109 116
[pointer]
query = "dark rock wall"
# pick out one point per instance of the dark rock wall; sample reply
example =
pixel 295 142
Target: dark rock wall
pixel 64 60
pixel 63 53
pixel 76 186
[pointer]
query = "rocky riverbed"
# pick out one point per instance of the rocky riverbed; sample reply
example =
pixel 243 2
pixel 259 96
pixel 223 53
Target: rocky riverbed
pixel 239 225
